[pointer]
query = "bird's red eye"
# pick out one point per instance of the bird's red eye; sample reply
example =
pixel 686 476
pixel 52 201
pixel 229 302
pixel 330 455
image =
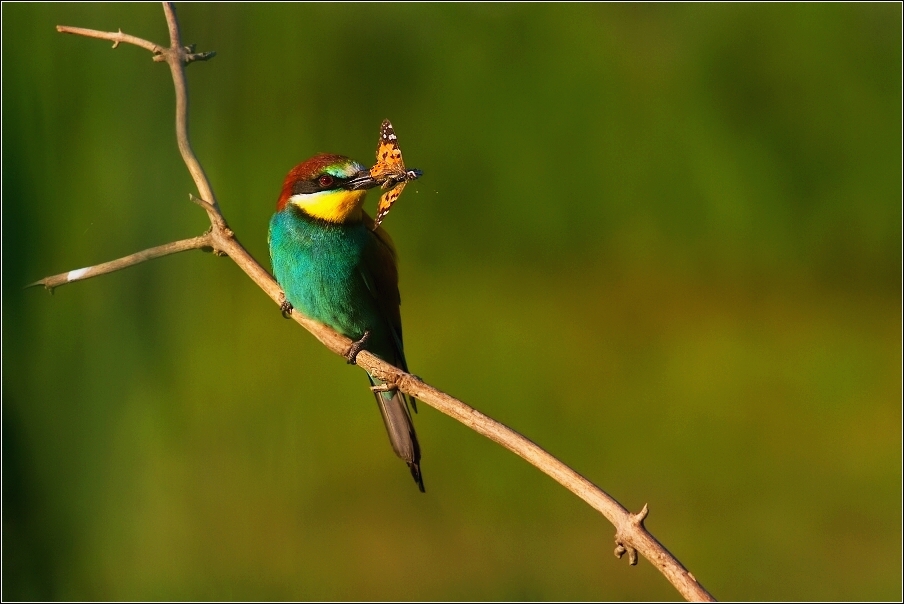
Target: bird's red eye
pixel 325 180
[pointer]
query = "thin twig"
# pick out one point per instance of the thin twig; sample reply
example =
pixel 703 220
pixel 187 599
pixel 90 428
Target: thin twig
pixel 631 535
pixel 117 37
pixel 177 58
pixel 80 274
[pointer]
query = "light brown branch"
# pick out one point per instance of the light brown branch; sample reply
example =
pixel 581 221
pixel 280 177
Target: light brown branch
pixel 631 535
pixel 80 274
pixel 116 37
pixel 177 56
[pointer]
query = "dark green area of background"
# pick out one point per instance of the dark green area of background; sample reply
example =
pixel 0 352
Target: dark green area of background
pixel 663 241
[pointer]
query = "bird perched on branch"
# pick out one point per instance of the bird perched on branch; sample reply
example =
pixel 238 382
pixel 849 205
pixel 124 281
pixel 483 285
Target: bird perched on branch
pixel 337 267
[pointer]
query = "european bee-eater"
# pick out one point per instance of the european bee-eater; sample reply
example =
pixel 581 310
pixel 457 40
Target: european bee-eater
pixel 336 268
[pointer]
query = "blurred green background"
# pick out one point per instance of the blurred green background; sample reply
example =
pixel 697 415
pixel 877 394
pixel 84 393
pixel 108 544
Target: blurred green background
pixel 664 242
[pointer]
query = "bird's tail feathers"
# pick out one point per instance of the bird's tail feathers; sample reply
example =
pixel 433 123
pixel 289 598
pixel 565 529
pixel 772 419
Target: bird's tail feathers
pixel 393 406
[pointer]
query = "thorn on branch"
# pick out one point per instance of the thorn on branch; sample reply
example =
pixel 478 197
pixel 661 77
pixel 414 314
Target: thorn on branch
pixel 638 518
pixel 201 202
pixel 119 31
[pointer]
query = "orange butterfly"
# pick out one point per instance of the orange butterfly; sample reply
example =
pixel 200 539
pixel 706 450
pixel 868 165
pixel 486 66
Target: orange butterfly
pixel 390 171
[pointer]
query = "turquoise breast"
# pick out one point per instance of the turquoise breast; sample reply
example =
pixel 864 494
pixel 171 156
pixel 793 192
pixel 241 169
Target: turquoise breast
pixel 317 264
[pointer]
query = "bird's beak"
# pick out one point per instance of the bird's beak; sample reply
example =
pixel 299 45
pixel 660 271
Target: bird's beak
pixel 362 180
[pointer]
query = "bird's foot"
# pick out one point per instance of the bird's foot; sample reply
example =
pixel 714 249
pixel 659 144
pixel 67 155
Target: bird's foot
pixel 356 347
pixel 285 308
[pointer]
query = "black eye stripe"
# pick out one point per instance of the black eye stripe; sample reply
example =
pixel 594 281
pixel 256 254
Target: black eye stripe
pixel 303 187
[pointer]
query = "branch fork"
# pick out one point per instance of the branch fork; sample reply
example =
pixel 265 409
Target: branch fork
pixel 631 536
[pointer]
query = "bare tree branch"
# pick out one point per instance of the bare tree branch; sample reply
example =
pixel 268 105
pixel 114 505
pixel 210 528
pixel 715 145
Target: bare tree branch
pixel 177 57
pixel 116 37
pixel 80 274
pixel 631 535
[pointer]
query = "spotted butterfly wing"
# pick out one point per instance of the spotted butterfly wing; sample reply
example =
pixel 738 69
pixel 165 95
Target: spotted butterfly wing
pixel 386 200
pixel 390 171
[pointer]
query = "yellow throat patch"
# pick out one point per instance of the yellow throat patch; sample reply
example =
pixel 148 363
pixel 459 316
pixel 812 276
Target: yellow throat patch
pixel 332 206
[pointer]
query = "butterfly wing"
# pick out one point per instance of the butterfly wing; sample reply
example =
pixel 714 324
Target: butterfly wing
pixel 386 201
pixel 389 156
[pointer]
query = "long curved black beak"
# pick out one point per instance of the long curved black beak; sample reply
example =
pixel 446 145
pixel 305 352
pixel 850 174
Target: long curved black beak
pixel 361 180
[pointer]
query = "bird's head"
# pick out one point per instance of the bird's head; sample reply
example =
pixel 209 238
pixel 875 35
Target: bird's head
pixel 328 187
